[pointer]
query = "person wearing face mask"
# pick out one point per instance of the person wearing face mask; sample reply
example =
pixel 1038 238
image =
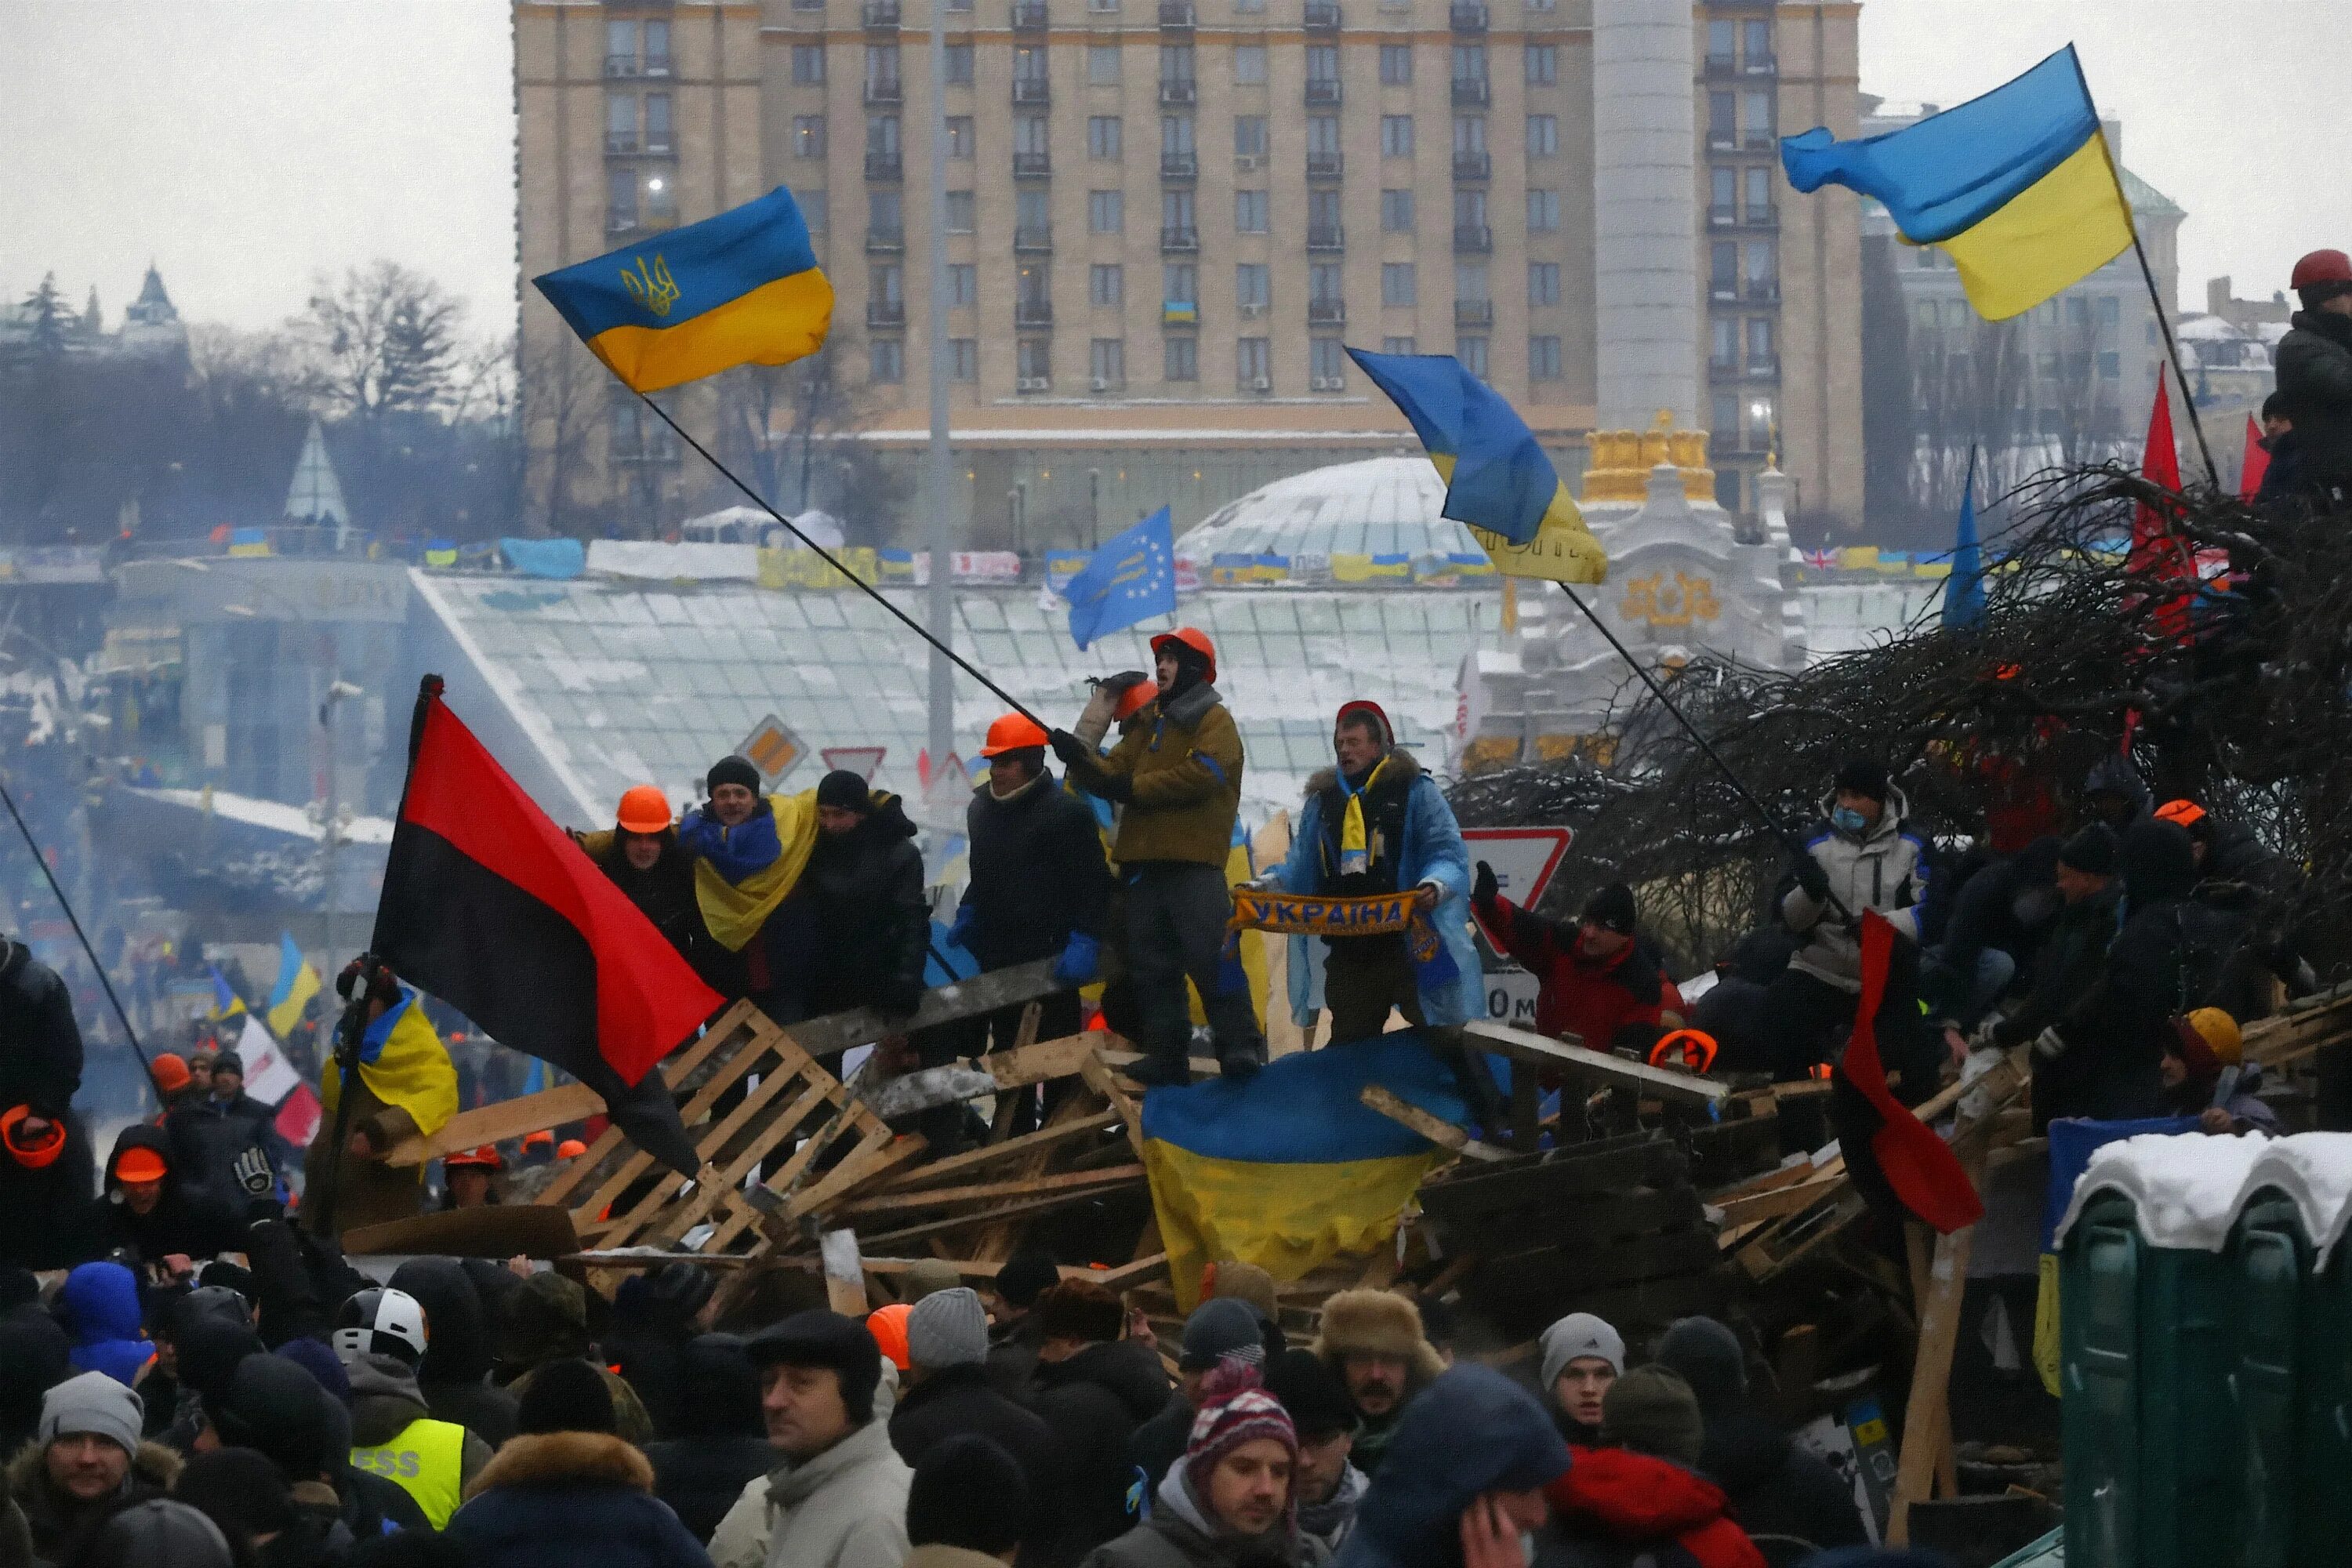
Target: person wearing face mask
pixel 1863 857
pixel 642 857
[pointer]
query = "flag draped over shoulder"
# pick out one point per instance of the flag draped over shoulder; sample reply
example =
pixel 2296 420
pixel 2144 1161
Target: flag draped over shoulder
pixel 402 1062
pixel 492 907
pixel 742 288
pixel 1290 1169
pixel 1498 477
pixel 2016 186
pixel 734 911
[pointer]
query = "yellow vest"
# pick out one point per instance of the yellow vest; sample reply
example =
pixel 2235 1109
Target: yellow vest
pixel 427 1460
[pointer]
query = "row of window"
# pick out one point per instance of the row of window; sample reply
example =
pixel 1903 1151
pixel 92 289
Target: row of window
pixel 1106 136
pixel 1245 8
pixel 1180 361
pixel 1742 117
pixel 1179 285
pixel 1731 44
pixel 886 209
pixel 1106 63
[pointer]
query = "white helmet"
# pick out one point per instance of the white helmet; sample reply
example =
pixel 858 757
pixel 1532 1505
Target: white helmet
pixel 381 1321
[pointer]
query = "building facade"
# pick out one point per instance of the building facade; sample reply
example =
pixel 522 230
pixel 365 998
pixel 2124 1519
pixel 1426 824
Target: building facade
pixel 1166 217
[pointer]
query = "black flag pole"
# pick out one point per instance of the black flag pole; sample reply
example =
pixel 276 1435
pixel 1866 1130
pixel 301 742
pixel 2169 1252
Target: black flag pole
pixel 79 935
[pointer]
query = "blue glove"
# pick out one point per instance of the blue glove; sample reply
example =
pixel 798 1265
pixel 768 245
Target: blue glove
pixel 1080 958
pixel 960 929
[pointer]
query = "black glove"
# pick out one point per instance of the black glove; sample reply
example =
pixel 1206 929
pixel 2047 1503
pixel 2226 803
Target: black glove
pixel 1812 879
pixel 899 999
pixel 1117 788
pixel 1074 753
pixel 1486 887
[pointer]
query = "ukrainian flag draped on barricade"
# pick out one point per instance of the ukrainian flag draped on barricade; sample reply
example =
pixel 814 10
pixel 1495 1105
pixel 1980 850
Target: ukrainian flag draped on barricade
pixel 1290 1169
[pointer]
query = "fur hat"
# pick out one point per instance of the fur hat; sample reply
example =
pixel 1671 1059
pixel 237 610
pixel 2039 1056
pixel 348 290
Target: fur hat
pixel 1376 1322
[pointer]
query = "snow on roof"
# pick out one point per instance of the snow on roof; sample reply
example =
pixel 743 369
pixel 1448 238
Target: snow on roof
pixel 277 817
pixel 2204 329
pixel 1380 506
pixel 2187 1189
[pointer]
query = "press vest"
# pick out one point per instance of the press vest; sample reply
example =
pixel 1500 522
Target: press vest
pixel 426 1459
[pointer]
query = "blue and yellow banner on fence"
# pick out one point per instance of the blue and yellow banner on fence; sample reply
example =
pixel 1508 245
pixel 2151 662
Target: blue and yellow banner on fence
pixel 742 288
pixel 1291 1169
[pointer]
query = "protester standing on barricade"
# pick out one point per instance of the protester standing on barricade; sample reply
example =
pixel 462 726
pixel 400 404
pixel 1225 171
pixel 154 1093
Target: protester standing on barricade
pixel 407 1088
pixel 1177 775
pixel 642 857
pixel 2314 373
pixel 1599 979
pixel 44 1154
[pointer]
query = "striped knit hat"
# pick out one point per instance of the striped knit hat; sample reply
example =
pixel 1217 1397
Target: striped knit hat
pixel 1235 1408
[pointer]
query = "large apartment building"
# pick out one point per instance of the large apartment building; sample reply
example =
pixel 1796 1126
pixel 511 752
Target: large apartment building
pixel 1165 218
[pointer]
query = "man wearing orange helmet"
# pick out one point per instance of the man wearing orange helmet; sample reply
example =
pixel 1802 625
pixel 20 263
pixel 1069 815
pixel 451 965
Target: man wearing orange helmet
pixel 45 1156
pixel 642 857
pixel 2315 372
pixel 1178 775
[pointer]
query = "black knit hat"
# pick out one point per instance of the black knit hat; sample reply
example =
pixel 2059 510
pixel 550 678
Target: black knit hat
pixel 273 1404
pixel 1612 908
pixel 2092 851
pixel 1862 775
pixel 968 1492
pixel 240 1489
pixel 1312 1393
pixel 822 1338
pixel 566 1395
pixel 845 791
pixel 228 1061
pixel 1026 1274
pixel 732 769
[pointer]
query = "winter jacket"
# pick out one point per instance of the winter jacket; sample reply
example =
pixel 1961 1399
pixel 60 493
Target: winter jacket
pixel 60 1523
pixel 2067 972
pixel 1180 1534
pixel 2244 1104
pixel 100 1305
pixel 1591 998
pixel 208 1134
pixel 956 1400
pixel 1160 1442
pixel 847 1508
pixel 387 1413
pixel 369 1192
pixel 1886 868
pixel 1094 1401
pixel 1182 760
pixel 700 1477
pixel 455 1376
pixel 1615 1508
pixel 872 926
pixel 1472 1431
pixel 300 1279
pixel 2119 1030
pixel 2315 380
pixel 1427 848
pixel 40 1044
pixel 663 895
pixel 1037 873
pixel 1013 1355
pixel 559 1498
pixel 1776 1487
pixel 1324 1527
pixel 184 1220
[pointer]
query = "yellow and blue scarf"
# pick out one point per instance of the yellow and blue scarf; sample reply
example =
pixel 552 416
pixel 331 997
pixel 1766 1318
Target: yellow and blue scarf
pixel 1379 914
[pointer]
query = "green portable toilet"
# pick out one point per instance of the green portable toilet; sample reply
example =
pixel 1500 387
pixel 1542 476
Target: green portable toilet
pixel 2312 1172
pixel 2269 1263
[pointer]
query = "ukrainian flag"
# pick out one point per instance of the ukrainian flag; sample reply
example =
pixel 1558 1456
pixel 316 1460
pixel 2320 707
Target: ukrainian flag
pixel 297 983
pixel 1290 1169
pixel 226 1004
pixel 739 288
pixel 1498 480
pixel 2015 186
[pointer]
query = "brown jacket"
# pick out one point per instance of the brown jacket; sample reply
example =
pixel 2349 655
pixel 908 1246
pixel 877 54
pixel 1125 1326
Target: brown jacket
pixel 369 1192
pixel 1185 763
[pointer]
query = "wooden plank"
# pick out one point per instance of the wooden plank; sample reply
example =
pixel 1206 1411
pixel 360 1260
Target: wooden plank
pixel 955 1166
pixel 739 1212
pixel 665 1229
pixel 996 1241
pixel 869 1162
pixel 1000 1216
pixel 1524 1046
pixel 1126 1275
pixel 1443 1133
pixel 1927 1422
pixel 770 1085
pixel 497 1230
pixel 1785 1200
pixel 1029 1064
pixel 896 1203
pixel 1120 1060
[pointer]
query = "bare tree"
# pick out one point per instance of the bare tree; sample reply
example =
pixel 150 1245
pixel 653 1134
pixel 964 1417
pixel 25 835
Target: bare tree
pixel 1974 395
pixel 387 340
pixel 791 432
pixel 564 394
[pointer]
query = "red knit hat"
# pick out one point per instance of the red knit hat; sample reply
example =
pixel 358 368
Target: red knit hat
pixel 1234 1409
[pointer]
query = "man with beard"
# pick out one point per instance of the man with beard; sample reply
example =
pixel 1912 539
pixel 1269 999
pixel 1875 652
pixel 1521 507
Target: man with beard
pixel 1372 1339
pixel 1231 1504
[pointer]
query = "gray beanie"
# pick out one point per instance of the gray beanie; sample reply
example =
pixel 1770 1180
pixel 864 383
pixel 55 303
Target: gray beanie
pixel 1576 1335
pixel 1221 1327
pixel 93 1403
pixel 162 1530
pixel 947 1328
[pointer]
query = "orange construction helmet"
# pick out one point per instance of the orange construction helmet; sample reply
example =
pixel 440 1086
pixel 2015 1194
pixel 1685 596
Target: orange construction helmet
pixel 32 1153
pixel 644 809
pixel 542 1138
pixel 571 1148
pixel 2186 813
pixel 1696 1045
pixel 170 1072
pixel 138 1163
pixel 889 1326
pixel 485 1158
pixel 1015 733
pixel 1196 640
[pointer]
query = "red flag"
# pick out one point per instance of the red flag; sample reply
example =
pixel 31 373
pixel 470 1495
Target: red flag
pixel 1919 1165
pixel 2156 552
pixel 2256 463
pixel 298 1119
pixel 492 907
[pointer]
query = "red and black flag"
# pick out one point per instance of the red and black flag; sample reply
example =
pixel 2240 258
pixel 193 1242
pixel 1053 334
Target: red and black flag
pixel 490 906
pixel 1920 1168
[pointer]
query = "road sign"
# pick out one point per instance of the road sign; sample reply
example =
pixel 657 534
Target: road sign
pixel 772 749
pixel 1524 858
pixel 862 761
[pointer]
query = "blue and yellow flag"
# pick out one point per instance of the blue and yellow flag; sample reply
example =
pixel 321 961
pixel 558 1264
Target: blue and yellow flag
pixel 226 1004
pixel 2015 186
pixel 739 288
pixel 402 1063
pixel 1130 578
pixel 297 983
pixel 1497 479
pixel 1290 1169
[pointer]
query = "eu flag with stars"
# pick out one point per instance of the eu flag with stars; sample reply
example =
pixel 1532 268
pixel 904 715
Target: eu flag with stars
pixel 1131 578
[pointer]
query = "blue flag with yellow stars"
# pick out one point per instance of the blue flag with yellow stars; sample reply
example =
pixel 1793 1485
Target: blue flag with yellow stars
pixel 1131 578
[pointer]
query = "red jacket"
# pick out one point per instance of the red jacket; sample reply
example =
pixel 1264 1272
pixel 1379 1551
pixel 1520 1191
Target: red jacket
pixel 1591 999
pixel 1632 1500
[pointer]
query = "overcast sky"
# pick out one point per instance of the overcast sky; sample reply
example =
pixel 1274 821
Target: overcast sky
pixel 247 144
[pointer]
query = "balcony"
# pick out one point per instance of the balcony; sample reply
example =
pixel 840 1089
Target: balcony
pixel 1755 140
pixel 1322 15
pixel 1473 92
pixel 621 66
pixel 618 143
pixel 1180 239
pixel 1473 239
pixel 1722 215
pixel 1326 313
pixel 656 65
pixel 886 315
pixel 1762 65
pixel 1325 165
pixel 1032 90
pixel 621 220
pixel 1033 313
pixel 1468 16
pixel 1180 166
pixel 884 166
pixel 885 90
pixel 1763 290
pixel 885 241
pixel 1028 16
pixel 1034 239
pixel 880 16
pixel 1326 237
pixel 659 144
pixel 1764 367
pixel 1760 215
pixel 1032 165
pixel 1720 66
pixel 1322 92
pixel 1474 166
pixel 1474 312
pixel 1722 140
pixel 1176 16
pixel 1174 91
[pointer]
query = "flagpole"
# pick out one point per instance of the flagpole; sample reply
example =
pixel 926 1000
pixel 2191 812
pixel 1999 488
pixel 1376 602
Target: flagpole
pixel 83 937
pixel 826 556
